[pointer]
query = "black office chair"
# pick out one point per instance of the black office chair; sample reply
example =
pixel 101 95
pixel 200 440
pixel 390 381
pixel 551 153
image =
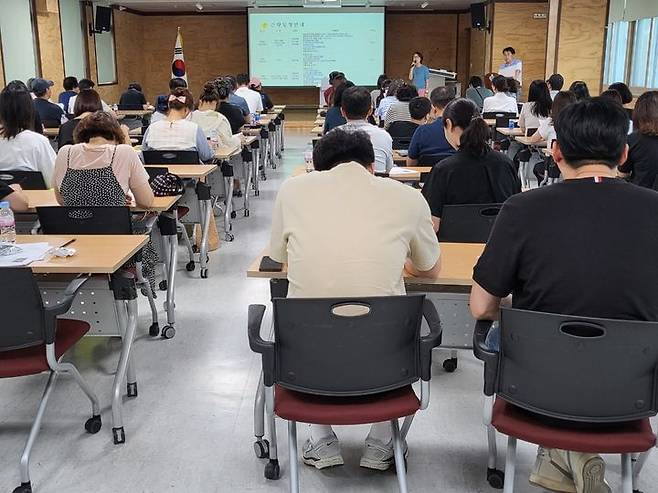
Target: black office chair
pixel 469 223
pixel 130 107
pixel 345 361
pixel 402 132
pixel 171 157
pixel 32 340
pixel 28 180
pixel 432 159
pixel 51 123
pixel 555 373
pixel 98 221
pixel 155 171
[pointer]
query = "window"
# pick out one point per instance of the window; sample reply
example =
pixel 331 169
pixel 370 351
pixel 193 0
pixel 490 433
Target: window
pixel 18 40
pixel 73 38
pixel 106 65
pixel 632 54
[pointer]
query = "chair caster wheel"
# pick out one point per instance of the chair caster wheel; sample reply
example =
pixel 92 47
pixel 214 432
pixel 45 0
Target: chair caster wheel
pixel 195 249
pixel 204 273
pixel 154 329
pixel 233 215
pixel 189 267
pixel 257 193
pixel 496 478
pixel 272 470
pixel 450 365
pixel 168 332
pixel 262 448
pixel 132 389
pixel 119 435
pixel 93 425
pixel 163 285
pixel 228 237
pixel 24 488
pixel 246 213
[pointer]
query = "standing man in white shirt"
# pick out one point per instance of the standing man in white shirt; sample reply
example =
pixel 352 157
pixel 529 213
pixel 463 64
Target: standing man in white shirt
pixel 500 101
pixel 356 107
pixel 254 101
pixel 513 67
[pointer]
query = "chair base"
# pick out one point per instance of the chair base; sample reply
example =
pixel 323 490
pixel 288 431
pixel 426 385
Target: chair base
pixel 24 488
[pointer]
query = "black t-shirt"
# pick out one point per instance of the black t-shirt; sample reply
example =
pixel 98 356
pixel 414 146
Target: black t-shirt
pixel 65 136
pixel 5 190
pixel 50 113
pixel 572 248
pixel 468 179
pixel 233 114
pixel 132 99
pixel 642 161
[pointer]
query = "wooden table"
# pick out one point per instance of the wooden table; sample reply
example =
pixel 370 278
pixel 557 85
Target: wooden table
pixel 247 140
pixel 526 141
pixel 319 121
pixel 547 152
pixel 399 158
pixel 317 130
pixel 140 113
pixel 227 152
pixel 510 132
pixel 51 132
pixel 47 198
pixel 492 121
pixel 195 171
pixel 281 107
pixel 457 262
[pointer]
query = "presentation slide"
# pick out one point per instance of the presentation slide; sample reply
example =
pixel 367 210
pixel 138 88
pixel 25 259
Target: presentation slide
pixel 299 47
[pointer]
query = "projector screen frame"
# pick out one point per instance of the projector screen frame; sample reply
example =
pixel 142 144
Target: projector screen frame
pixel 328 10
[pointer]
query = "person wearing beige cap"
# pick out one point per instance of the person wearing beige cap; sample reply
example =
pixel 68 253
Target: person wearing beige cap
pixel 256 85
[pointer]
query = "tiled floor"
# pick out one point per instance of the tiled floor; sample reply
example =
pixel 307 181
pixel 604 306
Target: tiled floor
pixel 190 429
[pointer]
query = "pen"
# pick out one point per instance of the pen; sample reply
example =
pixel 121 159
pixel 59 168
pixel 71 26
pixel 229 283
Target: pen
pixel 67 243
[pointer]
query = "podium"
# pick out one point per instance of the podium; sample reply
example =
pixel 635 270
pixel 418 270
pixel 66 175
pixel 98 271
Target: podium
pixel 440 77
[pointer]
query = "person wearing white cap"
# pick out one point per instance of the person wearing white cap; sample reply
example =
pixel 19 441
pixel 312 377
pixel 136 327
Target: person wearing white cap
pixel 51 114
pixel 256 85
pixel 252 97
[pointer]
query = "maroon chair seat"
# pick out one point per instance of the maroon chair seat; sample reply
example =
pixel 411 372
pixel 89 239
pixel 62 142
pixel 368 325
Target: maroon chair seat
pixel 629 437
pixel 315 409
pixel 182 211
pixel 32 360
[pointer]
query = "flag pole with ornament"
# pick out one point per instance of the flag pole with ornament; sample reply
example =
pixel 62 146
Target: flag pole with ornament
pixel 178 64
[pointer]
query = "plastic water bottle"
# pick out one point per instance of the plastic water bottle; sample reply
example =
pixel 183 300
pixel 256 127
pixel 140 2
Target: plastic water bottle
pixel 511 124
pixel 7 224
pixel 308 159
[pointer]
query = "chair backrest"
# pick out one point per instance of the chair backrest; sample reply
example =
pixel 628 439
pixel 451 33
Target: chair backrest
pixel 578 368
pixel 24 324
pixel 154 171
pixel 529 132
pixel 502 119
pixel 321 349
pixel 129 107
pixel 171 157
pixel 28 180
pixel 51 123
pixel 85 220
pixel 470 223
pixel 401 142
pixel 431 159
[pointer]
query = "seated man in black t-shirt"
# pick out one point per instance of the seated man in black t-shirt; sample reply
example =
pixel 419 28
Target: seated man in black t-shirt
pixel 403 131
pixel 571 249
pixel 51 114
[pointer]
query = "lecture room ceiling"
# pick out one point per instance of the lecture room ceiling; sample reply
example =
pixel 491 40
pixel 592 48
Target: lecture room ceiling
pixel 225 5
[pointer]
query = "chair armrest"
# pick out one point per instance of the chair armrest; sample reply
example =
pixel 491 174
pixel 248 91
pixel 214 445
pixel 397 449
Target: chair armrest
pixel 483 353
pixel 52 311
pixel 430 341
pixel 259 345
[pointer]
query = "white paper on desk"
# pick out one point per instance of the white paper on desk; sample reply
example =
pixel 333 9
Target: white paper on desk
pixel 397 170
pixel 26 254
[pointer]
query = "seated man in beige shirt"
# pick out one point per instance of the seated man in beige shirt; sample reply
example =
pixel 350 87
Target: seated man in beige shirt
pixel 345 232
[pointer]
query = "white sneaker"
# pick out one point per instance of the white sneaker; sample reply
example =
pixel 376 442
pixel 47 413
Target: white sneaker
pixel 550 475
pixel 588 470
pixel 324 453
pixel 379 455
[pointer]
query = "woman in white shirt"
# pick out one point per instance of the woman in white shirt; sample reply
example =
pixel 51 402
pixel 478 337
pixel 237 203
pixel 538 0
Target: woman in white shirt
pixel 176 132
pixel 20 147
pixel 214 124
pixel 538 107
pixel 500 102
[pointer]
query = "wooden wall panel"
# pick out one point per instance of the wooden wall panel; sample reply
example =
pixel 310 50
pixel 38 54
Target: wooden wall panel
pixel 434 35
pixel 464 49
pixel 50 44
pixel 581 41
pixel 513 25
pixel 478 53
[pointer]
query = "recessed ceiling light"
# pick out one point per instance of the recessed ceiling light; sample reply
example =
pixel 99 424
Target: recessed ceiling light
pixel 424 5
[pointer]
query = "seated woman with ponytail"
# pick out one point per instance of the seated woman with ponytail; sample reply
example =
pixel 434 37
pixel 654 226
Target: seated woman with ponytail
pixel 176 132
pixel 476 174
pixel 213 123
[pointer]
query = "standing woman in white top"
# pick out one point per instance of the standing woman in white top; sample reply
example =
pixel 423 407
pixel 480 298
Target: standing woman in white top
pixel 22 149
pixel 538 107
pixel 214 124
pixel 176 132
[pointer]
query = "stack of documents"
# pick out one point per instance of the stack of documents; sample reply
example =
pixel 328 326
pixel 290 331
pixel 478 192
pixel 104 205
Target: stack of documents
pixel 20 255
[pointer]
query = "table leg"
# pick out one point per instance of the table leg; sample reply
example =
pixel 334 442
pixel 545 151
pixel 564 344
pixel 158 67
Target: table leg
pixel 170 303
pixel 255 161
pixel 122 369
pixel 248 167
pixel 228 227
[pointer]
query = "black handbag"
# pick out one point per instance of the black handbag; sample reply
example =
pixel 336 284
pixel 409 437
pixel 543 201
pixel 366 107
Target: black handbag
pixel 167 185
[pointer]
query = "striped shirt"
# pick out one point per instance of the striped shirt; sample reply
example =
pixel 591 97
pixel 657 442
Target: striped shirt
pixel 398 112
